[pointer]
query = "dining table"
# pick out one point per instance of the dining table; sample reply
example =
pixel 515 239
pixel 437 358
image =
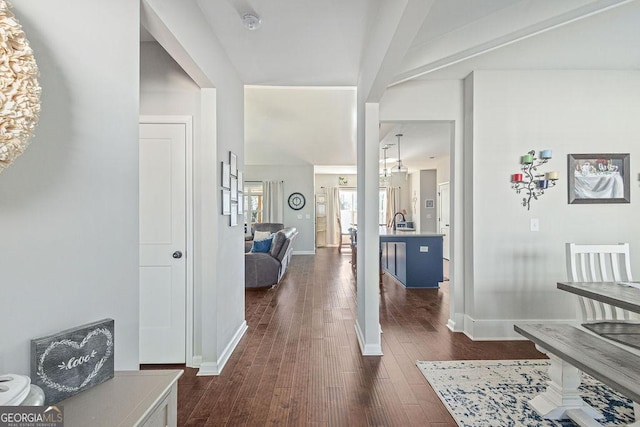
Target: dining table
pixel 625 295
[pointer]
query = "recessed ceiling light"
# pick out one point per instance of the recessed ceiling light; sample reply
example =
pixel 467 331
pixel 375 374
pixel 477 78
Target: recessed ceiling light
pixel 251 21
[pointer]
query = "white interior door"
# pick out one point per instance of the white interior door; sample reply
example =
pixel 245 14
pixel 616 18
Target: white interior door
pixel 443 216
pixel 162 243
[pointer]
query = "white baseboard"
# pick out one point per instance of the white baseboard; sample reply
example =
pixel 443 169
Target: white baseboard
pixel 499 330
pixel 304 252
pixel 456 324
pixel 215 368
pixel 195 362
pixel 367 349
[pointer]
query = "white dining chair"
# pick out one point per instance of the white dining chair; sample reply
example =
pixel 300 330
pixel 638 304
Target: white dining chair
pixel 599 263
pixel 344 237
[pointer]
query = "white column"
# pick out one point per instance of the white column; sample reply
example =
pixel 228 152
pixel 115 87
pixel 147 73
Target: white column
pixel 456 235
pixel 368 288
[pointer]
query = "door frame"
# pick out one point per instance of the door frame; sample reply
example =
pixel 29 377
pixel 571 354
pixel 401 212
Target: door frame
pixel 187 121
pixel 440 205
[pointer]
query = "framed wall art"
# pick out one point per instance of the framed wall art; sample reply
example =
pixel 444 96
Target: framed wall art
pixel 233 162
pixel 226 202
pixel 226 175
pixel 234 215
pixel 599 178
pixel 234 189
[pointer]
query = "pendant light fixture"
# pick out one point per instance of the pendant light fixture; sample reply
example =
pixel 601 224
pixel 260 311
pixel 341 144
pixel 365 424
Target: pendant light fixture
pixel 399 168
pixel 384 176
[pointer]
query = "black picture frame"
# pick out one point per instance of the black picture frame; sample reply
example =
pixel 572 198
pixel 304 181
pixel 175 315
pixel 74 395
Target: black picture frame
pixel 599 178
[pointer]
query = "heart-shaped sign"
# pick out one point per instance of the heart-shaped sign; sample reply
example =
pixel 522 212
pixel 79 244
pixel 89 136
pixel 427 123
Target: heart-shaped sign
pixel 73 361
pixel 84 359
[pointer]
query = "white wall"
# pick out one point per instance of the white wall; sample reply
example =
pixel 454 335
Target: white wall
pixel 296 179
pixel 442 168
pixel 69 210
pixel 182 30
pixel 414 188
pixel 422 100
pixel 331 180
pixel 428 191
pixel 515 270
pixel 467 306
pixel 165 89
pixel 438 100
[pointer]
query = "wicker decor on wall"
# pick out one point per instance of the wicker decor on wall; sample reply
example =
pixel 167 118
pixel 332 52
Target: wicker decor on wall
pixel 19 89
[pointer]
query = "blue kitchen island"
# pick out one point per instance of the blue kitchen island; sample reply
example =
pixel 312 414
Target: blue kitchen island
pixel 414 259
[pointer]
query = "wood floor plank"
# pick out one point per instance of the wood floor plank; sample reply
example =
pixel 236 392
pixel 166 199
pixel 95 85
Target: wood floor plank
pixel 279 407
pixel 299 363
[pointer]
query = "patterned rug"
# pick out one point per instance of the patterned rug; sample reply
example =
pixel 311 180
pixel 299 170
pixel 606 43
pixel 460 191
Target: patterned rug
pixel 496 393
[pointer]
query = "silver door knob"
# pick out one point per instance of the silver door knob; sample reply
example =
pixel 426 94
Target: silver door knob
pixel 177 254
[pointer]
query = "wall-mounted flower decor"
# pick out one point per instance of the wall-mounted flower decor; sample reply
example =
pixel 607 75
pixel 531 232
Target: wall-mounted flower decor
pixel 19 89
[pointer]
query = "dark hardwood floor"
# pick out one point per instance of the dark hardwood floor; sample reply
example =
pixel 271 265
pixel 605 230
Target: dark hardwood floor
pixel 299 363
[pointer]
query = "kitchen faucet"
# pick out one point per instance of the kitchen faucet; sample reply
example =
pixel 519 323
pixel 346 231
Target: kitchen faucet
pixel 393 223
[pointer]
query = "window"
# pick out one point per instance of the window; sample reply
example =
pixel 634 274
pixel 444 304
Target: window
pixel 252 204
pixel 349 208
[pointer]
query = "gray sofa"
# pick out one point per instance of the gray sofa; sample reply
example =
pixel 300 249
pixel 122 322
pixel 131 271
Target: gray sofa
pixel 271 227
pixel 266 269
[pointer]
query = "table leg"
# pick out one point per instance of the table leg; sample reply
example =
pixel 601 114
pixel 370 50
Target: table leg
pixel 562 392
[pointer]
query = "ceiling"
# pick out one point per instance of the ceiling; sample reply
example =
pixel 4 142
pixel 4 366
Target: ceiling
pixel 605 41
pixel 297 125
pixel 302 45
pixel 299 43
pixel 422 143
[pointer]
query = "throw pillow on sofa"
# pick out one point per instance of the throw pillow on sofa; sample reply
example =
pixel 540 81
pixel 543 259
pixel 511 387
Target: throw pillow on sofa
pixel 263 245
pixel 261 235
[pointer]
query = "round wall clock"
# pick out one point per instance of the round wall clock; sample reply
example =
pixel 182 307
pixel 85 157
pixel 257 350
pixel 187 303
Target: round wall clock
pixel 296 201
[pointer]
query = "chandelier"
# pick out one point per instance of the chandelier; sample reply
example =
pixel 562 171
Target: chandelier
pixel 384 175
pixel 399 168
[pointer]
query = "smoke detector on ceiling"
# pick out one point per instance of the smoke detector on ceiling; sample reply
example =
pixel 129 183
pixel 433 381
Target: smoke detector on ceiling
pixel 251 21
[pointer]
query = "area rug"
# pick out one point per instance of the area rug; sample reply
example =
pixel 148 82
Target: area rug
pixel 496 393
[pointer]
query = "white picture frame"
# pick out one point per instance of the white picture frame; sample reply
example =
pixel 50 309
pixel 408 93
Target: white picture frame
pixel 226 202
pixel 233 162
pixel 240 203
pixel 233 221
pixel 234 189
pixel 226 175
